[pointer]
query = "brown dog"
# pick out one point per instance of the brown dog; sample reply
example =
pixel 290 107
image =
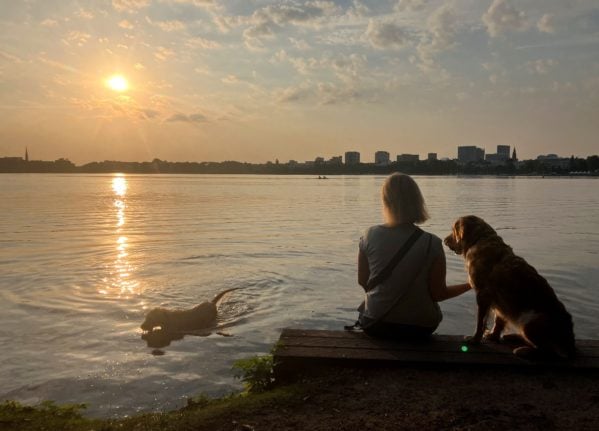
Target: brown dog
pixel 513 289
pixel 200 317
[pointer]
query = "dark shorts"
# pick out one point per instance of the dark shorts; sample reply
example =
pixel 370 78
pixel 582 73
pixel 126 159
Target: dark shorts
pixel 398 331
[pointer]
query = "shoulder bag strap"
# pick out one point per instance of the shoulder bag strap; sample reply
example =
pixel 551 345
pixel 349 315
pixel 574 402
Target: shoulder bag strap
pixel 386 273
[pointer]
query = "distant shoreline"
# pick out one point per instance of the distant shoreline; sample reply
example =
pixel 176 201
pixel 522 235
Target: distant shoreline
pixel 329 176
pixel 575 167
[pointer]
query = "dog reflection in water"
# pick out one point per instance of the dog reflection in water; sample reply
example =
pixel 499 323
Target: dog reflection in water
pixel 162 326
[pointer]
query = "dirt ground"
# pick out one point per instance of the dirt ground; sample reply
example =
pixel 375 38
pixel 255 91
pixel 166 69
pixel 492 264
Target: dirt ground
pixel 418 399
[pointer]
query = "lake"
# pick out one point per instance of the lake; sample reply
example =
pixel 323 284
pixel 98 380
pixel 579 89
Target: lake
pixel 84 257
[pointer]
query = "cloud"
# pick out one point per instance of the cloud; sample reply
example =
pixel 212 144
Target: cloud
pixel 540 67
pixel 163 53
pixel 292 94
pixel 349 68
pixel 49 23
pixel 147 114
pixel 201 43
pixel 85 14
pixel 199 3
pixel 440 34
pixel 10 57
pixel 130 6
pixel 78 37
pixel 265 22
pixel 230 79
pixel 411 5
pixel 546 23
pixel 331 94
pixel 502 16
pixel 172 25
pixel 385 35
pixel 184 118
pixel 126 24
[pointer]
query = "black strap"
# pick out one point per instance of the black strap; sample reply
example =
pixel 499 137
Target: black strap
pixel 386 273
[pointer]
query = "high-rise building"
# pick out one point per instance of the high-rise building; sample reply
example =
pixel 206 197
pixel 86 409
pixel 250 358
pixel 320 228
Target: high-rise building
pixel 431 157
pixel 514 157
pixel 26 155
pixel 352 158
pixel 381 158
pixel 503 152
pixel 470 153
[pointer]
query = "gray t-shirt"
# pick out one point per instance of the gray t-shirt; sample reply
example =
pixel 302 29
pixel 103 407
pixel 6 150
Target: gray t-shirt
pixel 408 286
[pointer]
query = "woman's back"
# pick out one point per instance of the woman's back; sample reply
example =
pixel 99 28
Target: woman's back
pixel 404 297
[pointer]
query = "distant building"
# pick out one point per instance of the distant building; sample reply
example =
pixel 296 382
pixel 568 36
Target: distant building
pixel 352 158
pixel 26 155
pixel 470 154
pixel 501 157
pixel 514 157
pixel 319 161
pixel 431 157
pixel 554 161
pixel 381 158
pixel 292 163
pixel 408 158
pixel 503 151
pixel 335 161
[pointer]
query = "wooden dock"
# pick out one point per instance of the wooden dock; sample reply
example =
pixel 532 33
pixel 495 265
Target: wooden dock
pixel 301 350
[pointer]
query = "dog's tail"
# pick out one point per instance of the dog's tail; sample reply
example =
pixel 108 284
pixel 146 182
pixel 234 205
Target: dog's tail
pixel 218 297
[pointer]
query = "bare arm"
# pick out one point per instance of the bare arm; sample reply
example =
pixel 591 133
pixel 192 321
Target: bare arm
pixel 363 269
pixel 437 286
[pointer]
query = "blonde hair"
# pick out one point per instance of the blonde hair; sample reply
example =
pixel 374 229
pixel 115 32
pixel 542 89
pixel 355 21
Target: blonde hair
pixel 402 200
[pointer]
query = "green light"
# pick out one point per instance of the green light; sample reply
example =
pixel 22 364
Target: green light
pixel 464 348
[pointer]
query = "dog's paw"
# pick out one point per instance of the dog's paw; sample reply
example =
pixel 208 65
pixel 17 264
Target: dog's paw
pixel 472 339
pixel 491 336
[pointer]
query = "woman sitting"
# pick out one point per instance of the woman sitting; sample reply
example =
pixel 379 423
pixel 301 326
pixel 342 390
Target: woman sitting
pixel 403 303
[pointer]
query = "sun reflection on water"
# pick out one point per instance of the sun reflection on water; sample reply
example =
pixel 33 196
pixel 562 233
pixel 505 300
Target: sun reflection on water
pixel 121 284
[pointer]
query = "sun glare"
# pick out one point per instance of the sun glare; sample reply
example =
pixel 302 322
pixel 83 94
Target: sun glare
pixel 117 83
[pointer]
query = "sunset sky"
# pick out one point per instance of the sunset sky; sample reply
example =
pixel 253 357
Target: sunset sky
pixel 255 80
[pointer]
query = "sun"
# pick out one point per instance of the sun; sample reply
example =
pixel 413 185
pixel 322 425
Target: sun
pixel 117 83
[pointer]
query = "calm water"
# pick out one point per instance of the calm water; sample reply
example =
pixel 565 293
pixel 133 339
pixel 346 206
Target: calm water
pixel 83 257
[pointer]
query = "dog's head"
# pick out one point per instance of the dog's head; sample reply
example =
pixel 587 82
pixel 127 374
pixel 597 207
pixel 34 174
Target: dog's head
pixel 466 232
pixel 156 317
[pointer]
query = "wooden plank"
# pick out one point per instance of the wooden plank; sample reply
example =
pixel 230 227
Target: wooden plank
pixel 373 343
pixel 407 356
pixel 291 332
pixel 428 346
pixel 435 343
pixel 299 348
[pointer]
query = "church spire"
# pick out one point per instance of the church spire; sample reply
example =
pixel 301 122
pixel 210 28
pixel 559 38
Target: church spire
pixel 514 157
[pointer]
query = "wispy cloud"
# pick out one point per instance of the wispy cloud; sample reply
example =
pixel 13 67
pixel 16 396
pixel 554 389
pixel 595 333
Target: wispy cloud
pixel 187 118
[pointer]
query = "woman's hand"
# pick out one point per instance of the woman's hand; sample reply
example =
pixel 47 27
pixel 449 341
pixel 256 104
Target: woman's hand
pixel 437 286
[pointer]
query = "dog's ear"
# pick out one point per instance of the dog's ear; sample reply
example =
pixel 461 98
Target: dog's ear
pixel 458 230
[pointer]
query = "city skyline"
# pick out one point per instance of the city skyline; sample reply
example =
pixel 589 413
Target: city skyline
pixel 215 80
pixel 380 157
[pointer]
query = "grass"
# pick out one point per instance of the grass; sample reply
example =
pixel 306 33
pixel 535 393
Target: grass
pixel 201 412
